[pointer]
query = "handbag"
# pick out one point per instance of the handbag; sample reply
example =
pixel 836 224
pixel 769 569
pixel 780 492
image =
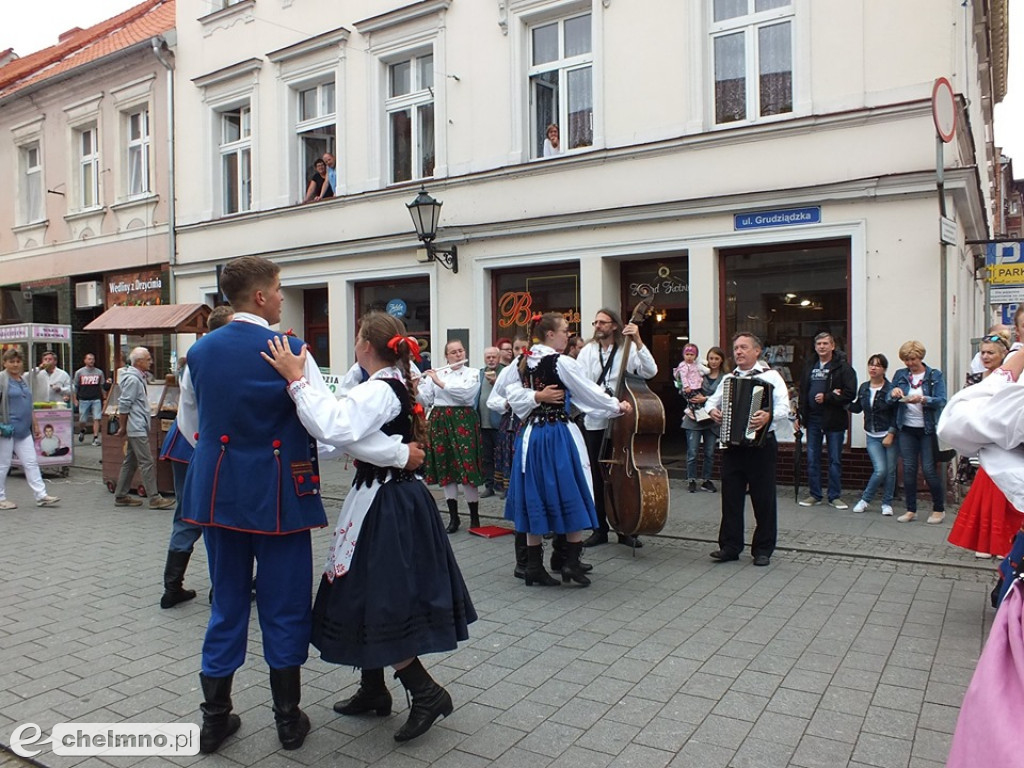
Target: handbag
pixel 6 430
pixel 113 425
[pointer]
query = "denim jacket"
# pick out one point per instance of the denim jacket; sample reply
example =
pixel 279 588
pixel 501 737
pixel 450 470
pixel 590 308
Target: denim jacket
pixel 879 412
pixel 934 390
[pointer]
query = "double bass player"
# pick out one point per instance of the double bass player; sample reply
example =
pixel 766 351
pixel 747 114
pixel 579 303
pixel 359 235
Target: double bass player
pixel 601 361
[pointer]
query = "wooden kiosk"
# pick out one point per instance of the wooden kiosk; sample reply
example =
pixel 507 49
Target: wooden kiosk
pixel 162 390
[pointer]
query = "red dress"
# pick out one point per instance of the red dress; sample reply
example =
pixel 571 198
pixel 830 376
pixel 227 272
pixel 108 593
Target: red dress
pixel 986 522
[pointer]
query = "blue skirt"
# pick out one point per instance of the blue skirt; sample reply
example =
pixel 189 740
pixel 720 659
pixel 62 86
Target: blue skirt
pixel 552 494
pixel 404 595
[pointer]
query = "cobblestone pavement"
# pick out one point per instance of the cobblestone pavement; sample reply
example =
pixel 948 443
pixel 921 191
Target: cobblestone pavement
pixel 854 647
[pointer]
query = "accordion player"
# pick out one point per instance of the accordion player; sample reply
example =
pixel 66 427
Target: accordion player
pixel 741 398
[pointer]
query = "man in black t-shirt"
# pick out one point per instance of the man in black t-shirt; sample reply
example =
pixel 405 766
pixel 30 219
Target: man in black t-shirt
pixel 88 387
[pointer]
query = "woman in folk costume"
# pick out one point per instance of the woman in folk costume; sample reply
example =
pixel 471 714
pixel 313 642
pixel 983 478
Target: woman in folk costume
pixel 551 486
pixel 986 419
pixel 392 589
pixel 509 425
pixel 453 455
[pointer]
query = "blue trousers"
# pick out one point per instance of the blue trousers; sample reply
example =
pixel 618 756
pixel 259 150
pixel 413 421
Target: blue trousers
pixel 834 440
pixel 183 535
pixel 916 446
pixel 284 586
pixel 883 465
pixel 693 438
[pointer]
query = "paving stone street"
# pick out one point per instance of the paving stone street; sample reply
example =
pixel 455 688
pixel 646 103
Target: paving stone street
pixel 853 648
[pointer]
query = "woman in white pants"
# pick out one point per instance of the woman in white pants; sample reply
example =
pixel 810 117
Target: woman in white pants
pixel 17 427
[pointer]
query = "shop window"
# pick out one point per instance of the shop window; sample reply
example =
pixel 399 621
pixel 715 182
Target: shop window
pixel 786 296
pixel 561 83
pixel 409 301
pixel 317 331
pixel 519 293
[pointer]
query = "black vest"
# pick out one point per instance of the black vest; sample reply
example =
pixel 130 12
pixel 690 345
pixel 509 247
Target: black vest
pixel 546 375
pixel 367 473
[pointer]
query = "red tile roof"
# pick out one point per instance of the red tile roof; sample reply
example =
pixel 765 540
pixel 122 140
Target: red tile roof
pixel 137 24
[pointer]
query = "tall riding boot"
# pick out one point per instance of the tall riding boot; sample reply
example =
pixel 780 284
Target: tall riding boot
pixel 429 701
pixel 174 575
pixel 573 569
pixel 535 573
pixel 474 513
pixel 559 547
pixel 218 720
pixel 292 722
pixel 372 696
pixel 453 515
pixel 520 570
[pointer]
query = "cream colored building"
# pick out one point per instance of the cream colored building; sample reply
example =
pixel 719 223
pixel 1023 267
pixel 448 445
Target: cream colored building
pixel 768 165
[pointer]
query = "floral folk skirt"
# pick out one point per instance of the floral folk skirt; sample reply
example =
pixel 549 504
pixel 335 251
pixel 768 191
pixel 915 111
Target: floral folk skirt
pixel 453 453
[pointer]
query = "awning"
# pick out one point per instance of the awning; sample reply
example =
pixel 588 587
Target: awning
pixel 159 318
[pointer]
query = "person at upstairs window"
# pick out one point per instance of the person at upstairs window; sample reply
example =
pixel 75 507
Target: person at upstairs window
pixel 552 142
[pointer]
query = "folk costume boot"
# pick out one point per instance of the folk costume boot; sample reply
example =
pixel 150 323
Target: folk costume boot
pixel 474 513
pixel 573 569
pixel 174 575
pixel 453 515
pixel 429 701
pixel 292 722
pixel 372 696
pixel 218 720
pixel 520 542
pixel 559 547
pixel 535 573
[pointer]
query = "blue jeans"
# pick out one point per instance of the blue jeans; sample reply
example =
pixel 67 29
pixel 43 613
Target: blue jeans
pixel 917 447
pixel 693 438
pixel 883 462
pixel 835 440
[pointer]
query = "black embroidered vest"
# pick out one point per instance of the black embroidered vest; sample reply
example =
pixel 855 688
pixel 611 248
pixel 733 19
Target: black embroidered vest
pixel 545 375
pixel 367 473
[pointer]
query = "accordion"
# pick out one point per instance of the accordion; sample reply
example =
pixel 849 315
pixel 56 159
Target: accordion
pixel 741 398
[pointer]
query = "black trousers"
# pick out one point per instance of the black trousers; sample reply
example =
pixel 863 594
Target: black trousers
pixel 593 438
pixel 746 468
pixel 487 438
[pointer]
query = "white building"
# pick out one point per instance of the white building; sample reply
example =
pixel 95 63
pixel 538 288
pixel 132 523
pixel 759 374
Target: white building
pixel 684 126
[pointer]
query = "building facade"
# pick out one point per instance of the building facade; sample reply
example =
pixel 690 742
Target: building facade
pixel 766 165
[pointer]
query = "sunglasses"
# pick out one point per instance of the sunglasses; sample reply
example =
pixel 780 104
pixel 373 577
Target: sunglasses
pixel 995 337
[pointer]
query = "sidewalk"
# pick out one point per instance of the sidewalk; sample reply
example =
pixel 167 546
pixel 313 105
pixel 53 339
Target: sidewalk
pixel 853 648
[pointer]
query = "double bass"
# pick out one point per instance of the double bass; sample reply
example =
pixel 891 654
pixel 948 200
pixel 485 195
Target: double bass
pixel 636 489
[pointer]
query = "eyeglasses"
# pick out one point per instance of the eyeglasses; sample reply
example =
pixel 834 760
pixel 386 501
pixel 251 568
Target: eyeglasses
pixel 995 337
pixel 601 322
pixel 505 349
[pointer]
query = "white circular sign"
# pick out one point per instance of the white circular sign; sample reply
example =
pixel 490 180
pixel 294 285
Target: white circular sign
pixel 944 109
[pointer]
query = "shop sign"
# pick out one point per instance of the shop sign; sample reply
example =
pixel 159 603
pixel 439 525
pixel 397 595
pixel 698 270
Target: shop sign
pixel 786 217
pixel 515 308
pixel 1008 252
pixel 35 332
pixel 1006 274
pixel 133 289
pixel 396 308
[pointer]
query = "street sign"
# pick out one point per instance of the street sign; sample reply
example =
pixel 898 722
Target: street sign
pixel 1005 252
pixel 947 230
pixel 1006 274
pixel 786 217
pixel 1011 294
pixel 944 109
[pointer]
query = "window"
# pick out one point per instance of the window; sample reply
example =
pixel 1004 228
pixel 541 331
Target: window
pixel 752 51
pixel 138 153
pixel 561 84
pixel 410 112
pixel 316 126
pixel 236 159
pixel 88 167
pixel 32 183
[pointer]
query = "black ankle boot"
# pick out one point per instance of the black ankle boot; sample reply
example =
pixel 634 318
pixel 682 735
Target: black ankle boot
pixel 453 515
pixel 372 696
pixel 535 573
pixel 520 542
pixel 174 575
pixel 218 721
pixel 474 513
pixel 292 722
pixel 429 701
pixel 572 570
pixel 559 547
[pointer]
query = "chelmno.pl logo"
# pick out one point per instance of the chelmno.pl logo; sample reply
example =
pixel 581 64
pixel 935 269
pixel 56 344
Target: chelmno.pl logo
pixel 108 739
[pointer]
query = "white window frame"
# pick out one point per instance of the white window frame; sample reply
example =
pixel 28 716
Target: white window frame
pixel 749 25
pixel 564 67
pixel 87 164
pixel 29 175
pixel 241 148
pixel 322 126
pixel 418 97
pixel 140 146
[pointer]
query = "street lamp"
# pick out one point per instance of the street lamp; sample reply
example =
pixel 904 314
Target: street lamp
pixel 425 212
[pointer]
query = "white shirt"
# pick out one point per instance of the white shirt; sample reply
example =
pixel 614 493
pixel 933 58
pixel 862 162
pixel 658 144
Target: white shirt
pixel 460 389
pixel 592 359
pixel 585 394
pixel 780 392
pixel 58 385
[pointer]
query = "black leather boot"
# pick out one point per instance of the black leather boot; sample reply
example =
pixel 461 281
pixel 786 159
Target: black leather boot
pixel 520 570
pixel 218 721
pixel 174 575
pixel 372 696
pixel 453 515
pixel 429 701
pixel 535 573
pixel 572 570
pixel 474 513
pixel 559 547
pixel 292 722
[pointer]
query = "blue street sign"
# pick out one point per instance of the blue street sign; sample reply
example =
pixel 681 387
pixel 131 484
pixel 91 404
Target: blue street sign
pixel 1008 252
pixel 786 217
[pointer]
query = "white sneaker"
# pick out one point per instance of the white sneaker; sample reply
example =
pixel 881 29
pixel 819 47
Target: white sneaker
pixel 887 510
pixel 6 504
pixel 47 501
pixel 860 506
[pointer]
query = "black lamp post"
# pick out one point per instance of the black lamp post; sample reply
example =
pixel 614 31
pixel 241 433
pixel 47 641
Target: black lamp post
pixel 425 212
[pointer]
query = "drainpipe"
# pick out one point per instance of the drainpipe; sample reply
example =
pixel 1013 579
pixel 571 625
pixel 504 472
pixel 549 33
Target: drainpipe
pixel 166 58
